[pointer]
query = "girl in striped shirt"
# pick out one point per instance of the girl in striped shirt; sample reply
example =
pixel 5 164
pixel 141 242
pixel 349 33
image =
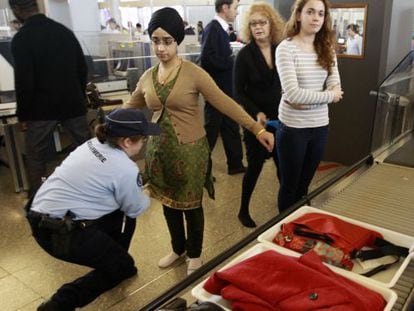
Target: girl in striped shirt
pixel 309 76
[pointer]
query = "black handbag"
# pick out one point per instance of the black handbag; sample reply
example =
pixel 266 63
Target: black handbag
pixel 95 99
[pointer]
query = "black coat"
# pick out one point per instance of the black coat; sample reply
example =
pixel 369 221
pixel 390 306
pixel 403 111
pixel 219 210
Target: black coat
pixel 50 71
pixel 256 87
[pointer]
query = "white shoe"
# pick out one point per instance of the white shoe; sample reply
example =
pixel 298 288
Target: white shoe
pixel 168 260
pixel 193 264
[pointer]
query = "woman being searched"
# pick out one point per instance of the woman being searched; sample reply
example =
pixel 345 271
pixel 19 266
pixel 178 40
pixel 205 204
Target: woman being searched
pixel 257 88
pixel 177 162
pixel 308 72
pixel 85 212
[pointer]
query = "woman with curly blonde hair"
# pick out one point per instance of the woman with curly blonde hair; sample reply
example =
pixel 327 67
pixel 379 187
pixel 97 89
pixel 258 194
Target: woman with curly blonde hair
pixel 276 22
pixel 308 71
pixel 257 89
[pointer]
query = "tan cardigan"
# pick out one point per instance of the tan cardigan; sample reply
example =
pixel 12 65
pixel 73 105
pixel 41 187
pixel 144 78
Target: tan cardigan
pixel 182 104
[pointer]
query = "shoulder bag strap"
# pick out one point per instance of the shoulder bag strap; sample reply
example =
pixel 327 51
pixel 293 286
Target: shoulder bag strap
pixel 384 248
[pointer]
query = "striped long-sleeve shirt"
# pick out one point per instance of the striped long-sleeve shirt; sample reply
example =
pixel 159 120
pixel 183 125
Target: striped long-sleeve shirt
pixel 304 82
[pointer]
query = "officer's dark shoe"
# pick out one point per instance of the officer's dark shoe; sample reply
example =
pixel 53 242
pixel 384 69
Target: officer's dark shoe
pixel 238 170
pixel 50 305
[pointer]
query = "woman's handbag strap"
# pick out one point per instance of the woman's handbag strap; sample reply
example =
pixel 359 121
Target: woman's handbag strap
pixel 384 248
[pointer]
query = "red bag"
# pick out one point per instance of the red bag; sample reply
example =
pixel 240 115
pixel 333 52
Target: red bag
pixel 333 239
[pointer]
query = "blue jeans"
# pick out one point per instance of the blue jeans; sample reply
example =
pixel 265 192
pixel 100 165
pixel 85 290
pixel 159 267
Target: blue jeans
pixel 300 151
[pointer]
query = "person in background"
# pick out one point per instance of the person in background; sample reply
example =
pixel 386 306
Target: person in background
pixel 177 162
pixel 354 42
pixel 50 81
pixel 131 30
pixel 232 33
pixel 112 26
pixel 15 26
pixel 85 212
pixel 217 59
pixel 257 88
pixel 138 29
pixel 188 30
pixel 200 30
pixel 138 33
pixel 308 71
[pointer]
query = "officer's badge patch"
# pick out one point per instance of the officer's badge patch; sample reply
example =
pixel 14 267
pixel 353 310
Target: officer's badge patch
pixel 139 180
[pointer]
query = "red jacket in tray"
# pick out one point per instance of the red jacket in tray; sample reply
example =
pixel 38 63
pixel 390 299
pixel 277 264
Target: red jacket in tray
pixel 271 281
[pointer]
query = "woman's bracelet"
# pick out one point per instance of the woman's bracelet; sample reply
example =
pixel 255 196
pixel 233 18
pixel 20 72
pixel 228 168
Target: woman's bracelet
pixel 260 132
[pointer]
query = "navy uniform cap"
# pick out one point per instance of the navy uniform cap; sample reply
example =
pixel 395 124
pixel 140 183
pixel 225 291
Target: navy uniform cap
pixel 126 122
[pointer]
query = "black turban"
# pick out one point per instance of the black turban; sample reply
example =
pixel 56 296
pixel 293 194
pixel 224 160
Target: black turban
pixel 169 20
pixel 24 4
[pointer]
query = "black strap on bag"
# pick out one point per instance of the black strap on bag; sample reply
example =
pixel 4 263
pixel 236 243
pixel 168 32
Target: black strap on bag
pixel 300 230
pixel 384 248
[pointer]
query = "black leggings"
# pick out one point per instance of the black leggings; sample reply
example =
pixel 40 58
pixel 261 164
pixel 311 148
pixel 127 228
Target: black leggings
pixel 256 155
pixel 194 218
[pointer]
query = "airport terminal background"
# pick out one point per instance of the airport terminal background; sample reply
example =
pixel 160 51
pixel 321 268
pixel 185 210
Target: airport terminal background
pixel 375 117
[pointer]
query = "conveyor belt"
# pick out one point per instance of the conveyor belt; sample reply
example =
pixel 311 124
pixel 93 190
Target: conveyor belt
pixel 382 196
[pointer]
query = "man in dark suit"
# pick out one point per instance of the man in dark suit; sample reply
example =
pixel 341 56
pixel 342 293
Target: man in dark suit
pixel 50 80
pixel 216 58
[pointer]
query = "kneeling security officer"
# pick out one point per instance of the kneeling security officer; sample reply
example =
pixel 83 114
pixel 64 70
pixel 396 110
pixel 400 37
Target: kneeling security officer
pixel 85 211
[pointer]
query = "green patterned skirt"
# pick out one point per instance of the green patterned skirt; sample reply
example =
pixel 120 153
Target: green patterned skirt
pixel 176 172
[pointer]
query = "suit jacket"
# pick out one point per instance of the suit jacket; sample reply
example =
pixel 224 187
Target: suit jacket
pixel 50 71
pixel 216 56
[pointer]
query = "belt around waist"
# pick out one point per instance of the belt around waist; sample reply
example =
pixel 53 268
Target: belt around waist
pixel 82 223
pixel 34 214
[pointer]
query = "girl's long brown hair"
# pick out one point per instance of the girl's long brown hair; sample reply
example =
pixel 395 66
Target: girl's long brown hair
pixel 325 38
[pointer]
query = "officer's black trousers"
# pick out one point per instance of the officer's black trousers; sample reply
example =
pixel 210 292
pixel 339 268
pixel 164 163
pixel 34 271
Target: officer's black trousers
pixel 102 247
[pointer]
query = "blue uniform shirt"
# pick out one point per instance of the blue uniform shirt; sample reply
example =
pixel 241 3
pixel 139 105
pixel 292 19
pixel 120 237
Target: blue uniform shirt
pixel 94 180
